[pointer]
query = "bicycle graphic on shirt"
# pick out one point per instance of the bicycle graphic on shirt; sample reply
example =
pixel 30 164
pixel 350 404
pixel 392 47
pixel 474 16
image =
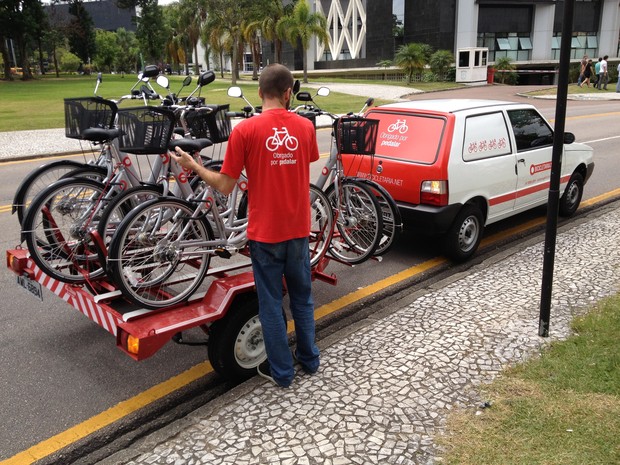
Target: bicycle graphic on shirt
pixel 281 137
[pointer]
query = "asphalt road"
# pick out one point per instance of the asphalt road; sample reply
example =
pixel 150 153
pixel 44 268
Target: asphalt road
pixel 60 373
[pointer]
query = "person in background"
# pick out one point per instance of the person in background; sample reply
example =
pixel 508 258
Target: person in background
pixel 618 83
pixel 603 75
pixel 278 218
pixel 587 74
pixel 582 68
pixel 597 72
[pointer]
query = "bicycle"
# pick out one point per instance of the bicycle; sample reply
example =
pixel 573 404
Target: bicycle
pixel 367 218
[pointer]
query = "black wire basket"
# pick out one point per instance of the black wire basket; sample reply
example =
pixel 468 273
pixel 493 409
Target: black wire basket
pixel 211 122
pixel 145 130
pixel 88 112
pixel 356 136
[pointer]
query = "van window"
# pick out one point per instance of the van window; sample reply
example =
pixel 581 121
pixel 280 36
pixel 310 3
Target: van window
pixel 530 129
pixel 408 137
pixel 485 136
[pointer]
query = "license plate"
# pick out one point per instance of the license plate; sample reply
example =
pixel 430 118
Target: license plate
pixel 31 286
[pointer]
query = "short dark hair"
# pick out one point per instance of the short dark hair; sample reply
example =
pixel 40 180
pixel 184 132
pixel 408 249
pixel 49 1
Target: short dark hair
pixel 275 80
pixel 605 57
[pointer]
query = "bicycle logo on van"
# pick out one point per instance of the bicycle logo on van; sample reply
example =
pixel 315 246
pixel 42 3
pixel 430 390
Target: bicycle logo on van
pixel 400 125
pixel 281 137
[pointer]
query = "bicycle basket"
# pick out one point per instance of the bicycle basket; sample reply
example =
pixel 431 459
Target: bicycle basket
pixel 145 130
pixel 356 136
pixel 211 121
pixel 88 112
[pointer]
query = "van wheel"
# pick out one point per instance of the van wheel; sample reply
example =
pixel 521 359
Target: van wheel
pixel 236 345
pixel 463 237
pixel 569 202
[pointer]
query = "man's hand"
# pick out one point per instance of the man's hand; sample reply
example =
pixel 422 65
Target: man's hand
pixel 185 159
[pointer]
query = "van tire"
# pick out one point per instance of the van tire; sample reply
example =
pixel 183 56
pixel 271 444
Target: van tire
pixel 462 239
pixel 570 200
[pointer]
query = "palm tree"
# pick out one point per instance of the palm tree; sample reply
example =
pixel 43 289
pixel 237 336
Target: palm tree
pixel 411 58
pixel 504 64
pixel 300 26
pixel 440 62
pixel 191 15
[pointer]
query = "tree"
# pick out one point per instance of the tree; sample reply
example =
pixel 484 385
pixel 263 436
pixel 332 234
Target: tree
pixel 273 12
pixel 411 58
pixel 300 26
pixel 107 50
pixel 225 20
pixel 81 32
pixel 149 31
pixel 505 65
pixel 440 62
pixel 127 56
pixel 23 22
pixel 191 16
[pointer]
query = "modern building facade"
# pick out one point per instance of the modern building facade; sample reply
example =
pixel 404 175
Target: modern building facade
pixel 527 31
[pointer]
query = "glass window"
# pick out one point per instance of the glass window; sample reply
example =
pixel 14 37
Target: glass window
pixel 514 43
pixel 525 43
pixel 576 42
pixel 592 42
pixel 530 129
pixel 463 59
pixel 503 44
pixel 555 42
pixel 485 136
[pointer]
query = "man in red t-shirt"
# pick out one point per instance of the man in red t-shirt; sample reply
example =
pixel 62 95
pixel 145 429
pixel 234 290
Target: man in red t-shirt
pixel 276 149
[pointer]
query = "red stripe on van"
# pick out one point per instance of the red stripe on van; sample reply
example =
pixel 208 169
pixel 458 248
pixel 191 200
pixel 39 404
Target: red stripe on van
pixel 524 192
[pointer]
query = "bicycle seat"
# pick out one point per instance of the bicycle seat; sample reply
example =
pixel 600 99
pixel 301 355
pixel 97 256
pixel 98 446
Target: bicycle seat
pixel 100 135
pixel 190 145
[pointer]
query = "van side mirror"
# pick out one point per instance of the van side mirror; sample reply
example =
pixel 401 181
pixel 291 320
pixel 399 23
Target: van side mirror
pixel 569 137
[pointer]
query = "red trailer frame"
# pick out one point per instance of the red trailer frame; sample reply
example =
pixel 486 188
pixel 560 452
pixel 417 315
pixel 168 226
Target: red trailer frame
pixel 141 332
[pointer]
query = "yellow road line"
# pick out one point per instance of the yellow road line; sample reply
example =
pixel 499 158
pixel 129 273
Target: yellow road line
pixel 121 410
pixel 106 418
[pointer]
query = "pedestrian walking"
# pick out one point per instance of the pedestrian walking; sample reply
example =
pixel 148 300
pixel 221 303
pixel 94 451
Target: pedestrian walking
pixel 603 75
pixel 582 68
pixel 278 218
pixel 618 83
pixel 597 71
pixel 587 74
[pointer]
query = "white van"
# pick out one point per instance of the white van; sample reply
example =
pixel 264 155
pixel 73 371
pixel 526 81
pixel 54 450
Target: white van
pixel 456 165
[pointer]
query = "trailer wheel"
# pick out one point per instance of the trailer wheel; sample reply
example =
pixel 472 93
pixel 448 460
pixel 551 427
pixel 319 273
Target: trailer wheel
pixel 236 344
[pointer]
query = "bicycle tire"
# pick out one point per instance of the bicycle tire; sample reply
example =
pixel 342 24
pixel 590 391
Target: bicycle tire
pixel 117 209
pixel 321 225
pixel 149 268
pixel 359 222
pixel 46 175
pixel 56 230
pixel 392 219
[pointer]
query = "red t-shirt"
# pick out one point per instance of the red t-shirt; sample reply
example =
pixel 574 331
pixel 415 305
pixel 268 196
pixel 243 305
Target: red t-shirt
pixel 276 148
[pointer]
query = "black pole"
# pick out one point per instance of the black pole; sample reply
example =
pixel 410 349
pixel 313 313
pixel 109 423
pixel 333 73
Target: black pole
pixel 556 168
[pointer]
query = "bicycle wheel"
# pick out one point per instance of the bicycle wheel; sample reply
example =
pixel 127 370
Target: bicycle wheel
pixel 392 220
pixel 358 222
pixel 117 209
pixel 56 229
pixel 154 257
pixel 321 224
pixel 44 176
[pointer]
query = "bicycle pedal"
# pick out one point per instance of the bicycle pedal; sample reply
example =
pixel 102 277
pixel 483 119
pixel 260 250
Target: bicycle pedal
pixel 223 253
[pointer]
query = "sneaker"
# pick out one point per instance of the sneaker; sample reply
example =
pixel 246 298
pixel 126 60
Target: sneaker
pixel 264 370
pixel 304 367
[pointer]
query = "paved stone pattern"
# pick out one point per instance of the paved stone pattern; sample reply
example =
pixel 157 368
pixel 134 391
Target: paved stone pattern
pixel 383 393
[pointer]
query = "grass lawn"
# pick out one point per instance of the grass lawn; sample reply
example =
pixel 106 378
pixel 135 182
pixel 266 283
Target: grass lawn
pixel 561 408
pixel 39 104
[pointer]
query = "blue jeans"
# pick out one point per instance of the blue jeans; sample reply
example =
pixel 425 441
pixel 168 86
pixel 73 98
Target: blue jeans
pixel 270 263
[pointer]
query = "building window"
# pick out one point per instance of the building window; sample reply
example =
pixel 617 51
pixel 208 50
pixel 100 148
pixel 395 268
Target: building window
pixel 582 43
pixel 516 46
